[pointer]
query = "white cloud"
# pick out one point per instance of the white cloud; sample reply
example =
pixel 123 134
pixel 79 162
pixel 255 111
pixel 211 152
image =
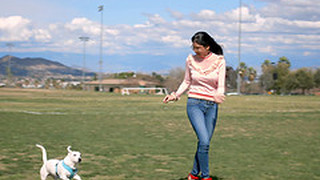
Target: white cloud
pixel 185 23
pixel 269 30
pixel 306 53
pixel 176 14
pixel 245 14
pixel 155 19
pixel 15 28
pixel 306 24
pixel 42 35
pixel 268 49
pixel 13 22
pixel 84 25
pixel 112 32
pixel 175 41
pixel 292 10
pixel 205 15
pixel 146 25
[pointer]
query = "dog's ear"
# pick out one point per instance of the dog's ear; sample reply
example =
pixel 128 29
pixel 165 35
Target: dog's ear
pixel 69 149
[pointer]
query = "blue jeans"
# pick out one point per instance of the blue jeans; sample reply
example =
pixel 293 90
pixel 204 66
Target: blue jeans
pixel 203 117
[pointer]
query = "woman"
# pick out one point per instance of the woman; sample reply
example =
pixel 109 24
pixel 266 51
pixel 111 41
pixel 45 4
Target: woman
pixel 205 80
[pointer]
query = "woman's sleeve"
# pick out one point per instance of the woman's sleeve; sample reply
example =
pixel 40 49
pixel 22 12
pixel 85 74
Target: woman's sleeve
pixel 186 82
pixel 222 76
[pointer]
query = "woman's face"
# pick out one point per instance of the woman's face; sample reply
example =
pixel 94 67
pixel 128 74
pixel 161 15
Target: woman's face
pixel 200 50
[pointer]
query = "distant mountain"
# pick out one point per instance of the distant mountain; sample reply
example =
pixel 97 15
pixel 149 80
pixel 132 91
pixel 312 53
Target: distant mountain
pixel 37 67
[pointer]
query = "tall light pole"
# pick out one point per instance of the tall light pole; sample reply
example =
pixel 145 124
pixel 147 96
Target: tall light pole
pixel 101 40
pixel 84 40
pixel 10 46
pixel 239 49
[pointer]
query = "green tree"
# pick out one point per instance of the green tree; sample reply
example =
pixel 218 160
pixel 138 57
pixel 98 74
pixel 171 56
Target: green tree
pixel 305 79
pixel 266 79
pixel 281 74
pixel 291 83
pixel 124 75
pixel 316 78
pixel 252 74
pixel 95 77
pixel 55 84
pixel 283 60
pixel 247 73
pixel 157 77
pixel 174 78
pixel 242 70
pixel 36 83
pixel 47 83
pixel 231 78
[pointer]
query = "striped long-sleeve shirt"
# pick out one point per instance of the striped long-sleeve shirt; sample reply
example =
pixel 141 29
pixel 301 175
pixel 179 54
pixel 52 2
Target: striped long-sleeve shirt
pixel 204 77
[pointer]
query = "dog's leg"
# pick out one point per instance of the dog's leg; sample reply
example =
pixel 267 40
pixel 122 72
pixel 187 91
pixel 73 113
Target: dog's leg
pixel 77 177
pixel 43 173
pixel 64 177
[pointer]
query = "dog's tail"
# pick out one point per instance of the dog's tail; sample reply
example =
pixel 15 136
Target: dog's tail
pixel 44 153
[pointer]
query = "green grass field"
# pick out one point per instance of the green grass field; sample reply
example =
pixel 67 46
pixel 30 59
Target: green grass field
pixel 138 137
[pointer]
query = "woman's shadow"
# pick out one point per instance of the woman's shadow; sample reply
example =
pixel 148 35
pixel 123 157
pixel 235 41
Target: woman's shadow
pixel 213 178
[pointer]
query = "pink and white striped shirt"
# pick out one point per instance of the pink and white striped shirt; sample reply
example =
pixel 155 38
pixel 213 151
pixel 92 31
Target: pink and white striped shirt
pixel 204 77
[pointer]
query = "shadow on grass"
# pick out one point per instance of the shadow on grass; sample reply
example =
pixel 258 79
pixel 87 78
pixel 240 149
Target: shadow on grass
pixel 213 178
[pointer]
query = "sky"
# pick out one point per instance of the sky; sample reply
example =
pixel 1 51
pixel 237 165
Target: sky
pixel 154 35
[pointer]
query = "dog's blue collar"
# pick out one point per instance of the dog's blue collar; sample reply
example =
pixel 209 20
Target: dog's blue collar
pixel 57 170
pixel 71 171
pixel 68 168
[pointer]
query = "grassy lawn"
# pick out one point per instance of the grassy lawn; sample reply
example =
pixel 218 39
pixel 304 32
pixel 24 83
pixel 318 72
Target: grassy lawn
pixel 138 137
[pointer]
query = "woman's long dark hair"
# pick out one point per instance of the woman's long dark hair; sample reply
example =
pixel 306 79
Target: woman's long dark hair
pixel 206 40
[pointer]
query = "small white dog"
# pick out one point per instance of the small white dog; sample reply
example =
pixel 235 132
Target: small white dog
pixel 64 169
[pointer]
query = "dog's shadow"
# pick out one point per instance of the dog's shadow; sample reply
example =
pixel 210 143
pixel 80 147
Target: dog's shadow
pixel 213 178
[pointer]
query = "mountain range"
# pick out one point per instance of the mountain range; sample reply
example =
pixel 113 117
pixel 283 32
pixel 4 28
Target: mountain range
pixel 37 67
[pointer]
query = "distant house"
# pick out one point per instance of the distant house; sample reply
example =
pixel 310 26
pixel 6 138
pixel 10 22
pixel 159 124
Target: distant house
pixel 116 85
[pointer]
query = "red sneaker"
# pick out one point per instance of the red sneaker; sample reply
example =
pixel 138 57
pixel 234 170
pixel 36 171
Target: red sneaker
pixel 192 177
pixel 209 178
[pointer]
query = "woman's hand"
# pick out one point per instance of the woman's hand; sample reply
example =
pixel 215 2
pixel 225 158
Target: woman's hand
pixel 171 97
pixel 219 98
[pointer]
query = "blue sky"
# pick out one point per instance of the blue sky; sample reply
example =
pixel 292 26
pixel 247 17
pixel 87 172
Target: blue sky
pixel 154 35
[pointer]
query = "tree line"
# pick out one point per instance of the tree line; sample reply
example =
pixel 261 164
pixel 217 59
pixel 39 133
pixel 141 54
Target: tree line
pixel 275 78
pixel 279 78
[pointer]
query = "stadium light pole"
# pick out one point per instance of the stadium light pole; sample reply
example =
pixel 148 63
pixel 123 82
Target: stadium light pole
pixel 101 39
pixel 239 49
pixel 84 40
pixel 10 46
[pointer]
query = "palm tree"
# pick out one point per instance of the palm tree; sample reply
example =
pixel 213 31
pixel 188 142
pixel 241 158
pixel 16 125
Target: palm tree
pixel 266 65
pixel 267 77
pixel 282 72
pixel 252 73
pixel 242 69
pixel 284 60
